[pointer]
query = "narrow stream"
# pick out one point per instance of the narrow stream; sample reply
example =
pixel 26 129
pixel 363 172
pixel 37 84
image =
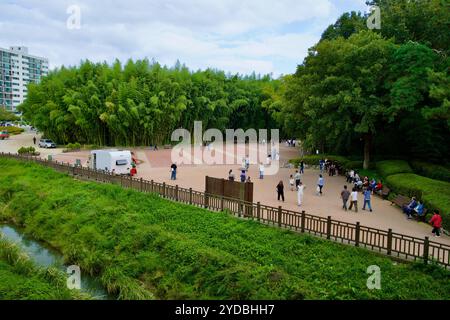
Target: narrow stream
pixel 44 256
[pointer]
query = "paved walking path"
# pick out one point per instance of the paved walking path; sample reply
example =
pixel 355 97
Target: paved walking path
pixel 156 166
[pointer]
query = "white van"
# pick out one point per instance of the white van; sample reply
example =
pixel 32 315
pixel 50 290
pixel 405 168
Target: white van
pixel 118 161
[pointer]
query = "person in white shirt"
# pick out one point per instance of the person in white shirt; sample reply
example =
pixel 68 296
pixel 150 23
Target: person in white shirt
pixel 291 182
pixel 300 189
pixel 351 176
pixel 261 171
pixel 297 178
pixel 354 200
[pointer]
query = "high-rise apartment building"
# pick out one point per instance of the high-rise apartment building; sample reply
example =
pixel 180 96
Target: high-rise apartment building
pixel 17 69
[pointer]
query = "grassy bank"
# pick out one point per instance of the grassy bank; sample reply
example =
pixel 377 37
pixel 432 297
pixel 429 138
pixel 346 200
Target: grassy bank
pixel 20 279
pixel 145 246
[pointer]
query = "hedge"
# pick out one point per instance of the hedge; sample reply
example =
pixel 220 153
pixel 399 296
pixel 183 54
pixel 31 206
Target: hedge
pixel 431 170
pixel 390 167
pixel 313 160
pixel 433 193
pixel 12 130
pixel 72 147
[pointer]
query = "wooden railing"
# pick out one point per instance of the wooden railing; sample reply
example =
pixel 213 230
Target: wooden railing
pixel 386 242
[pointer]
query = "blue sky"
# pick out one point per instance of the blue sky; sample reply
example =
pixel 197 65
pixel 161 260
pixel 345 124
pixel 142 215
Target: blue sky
pixel 232 35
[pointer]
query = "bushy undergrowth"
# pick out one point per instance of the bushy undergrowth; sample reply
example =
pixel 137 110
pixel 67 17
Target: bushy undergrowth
pixel 142 245
pixel 27 150
pixel 434 193
pixel 21 279
pixel 390 167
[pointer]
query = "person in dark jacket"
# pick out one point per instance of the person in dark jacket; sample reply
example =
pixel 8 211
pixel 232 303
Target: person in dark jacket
pixel 243 178
pixel 173 169
pixel 345 195
pixel 280 190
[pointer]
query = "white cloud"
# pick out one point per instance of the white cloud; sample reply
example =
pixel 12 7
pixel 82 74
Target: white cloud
pixel 234 35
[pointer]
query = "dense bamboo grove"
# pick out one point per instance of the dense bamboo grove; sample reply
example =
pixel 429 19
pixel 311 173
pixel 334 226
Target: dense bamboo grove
pixel 141 103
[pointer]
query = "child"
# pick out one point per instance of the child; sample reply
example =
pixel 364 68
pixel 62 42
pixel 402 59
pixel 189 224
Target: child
pixel 436 223
pixel 320 183
pixel 291 182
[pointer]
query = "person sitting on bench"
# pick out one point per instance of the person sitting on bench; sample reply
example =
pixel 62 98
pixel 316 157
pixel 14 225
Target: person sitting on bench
pixel 358 184
pixel 373 185
pixel 408 209
pixel 419 209
pixel 379 187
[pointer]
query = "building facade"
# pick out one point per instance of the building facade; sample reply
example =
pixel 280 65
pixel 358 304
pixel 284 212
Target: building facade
pixel 17 70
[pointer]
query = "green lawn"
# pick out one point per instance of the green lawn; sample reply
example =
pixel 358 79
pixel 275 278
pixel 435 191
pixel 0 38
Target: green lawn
pixel 146 247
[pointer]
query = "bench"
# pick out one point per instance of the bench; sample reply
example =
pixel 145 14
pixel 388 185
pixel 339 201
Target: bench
pixel 400 201
pixel 385 192
pixel 167 146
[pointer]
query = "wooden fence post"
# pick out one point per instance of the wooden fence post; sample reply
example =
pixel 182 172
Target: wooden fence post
pixel 239 208
pixel 151 185
pixel 258 210
pixel 221 203
pixel 303 221
pixel 206 200
pixel 164 190
pixel 389 242
pixel 426 249
pixel 357 232
pixel 190 195
pixel 279 216
pixel 329 227
pixel 176 193
pixel 142 184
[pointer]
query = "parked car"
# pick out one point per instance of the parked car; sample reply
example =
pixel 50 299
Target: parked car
pixel 46 143
pixel 4 135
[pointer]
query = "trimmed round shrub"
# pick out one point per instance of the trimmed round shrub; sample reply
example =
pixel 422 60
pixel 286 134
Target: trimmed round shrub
pixel 390 167
pixel 354 164
pixel 433 193
pixel 430 170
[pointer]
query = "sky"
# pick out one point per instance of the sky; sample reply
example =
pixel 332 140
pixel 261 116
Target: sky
pixel 237 36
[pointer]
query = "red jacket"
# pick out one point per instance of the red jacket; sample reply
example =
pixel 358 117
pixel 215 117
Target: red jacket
pixel 436 221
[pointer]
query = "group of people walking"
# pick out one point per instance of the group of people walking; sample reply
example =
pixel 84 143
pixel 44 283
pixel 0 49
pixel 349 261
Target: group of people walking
pixel 346 195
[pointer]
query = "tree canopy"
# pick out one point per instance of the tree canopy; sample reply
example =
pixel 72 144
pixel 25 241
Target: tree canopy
pixel 374 90
pixel 141 103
